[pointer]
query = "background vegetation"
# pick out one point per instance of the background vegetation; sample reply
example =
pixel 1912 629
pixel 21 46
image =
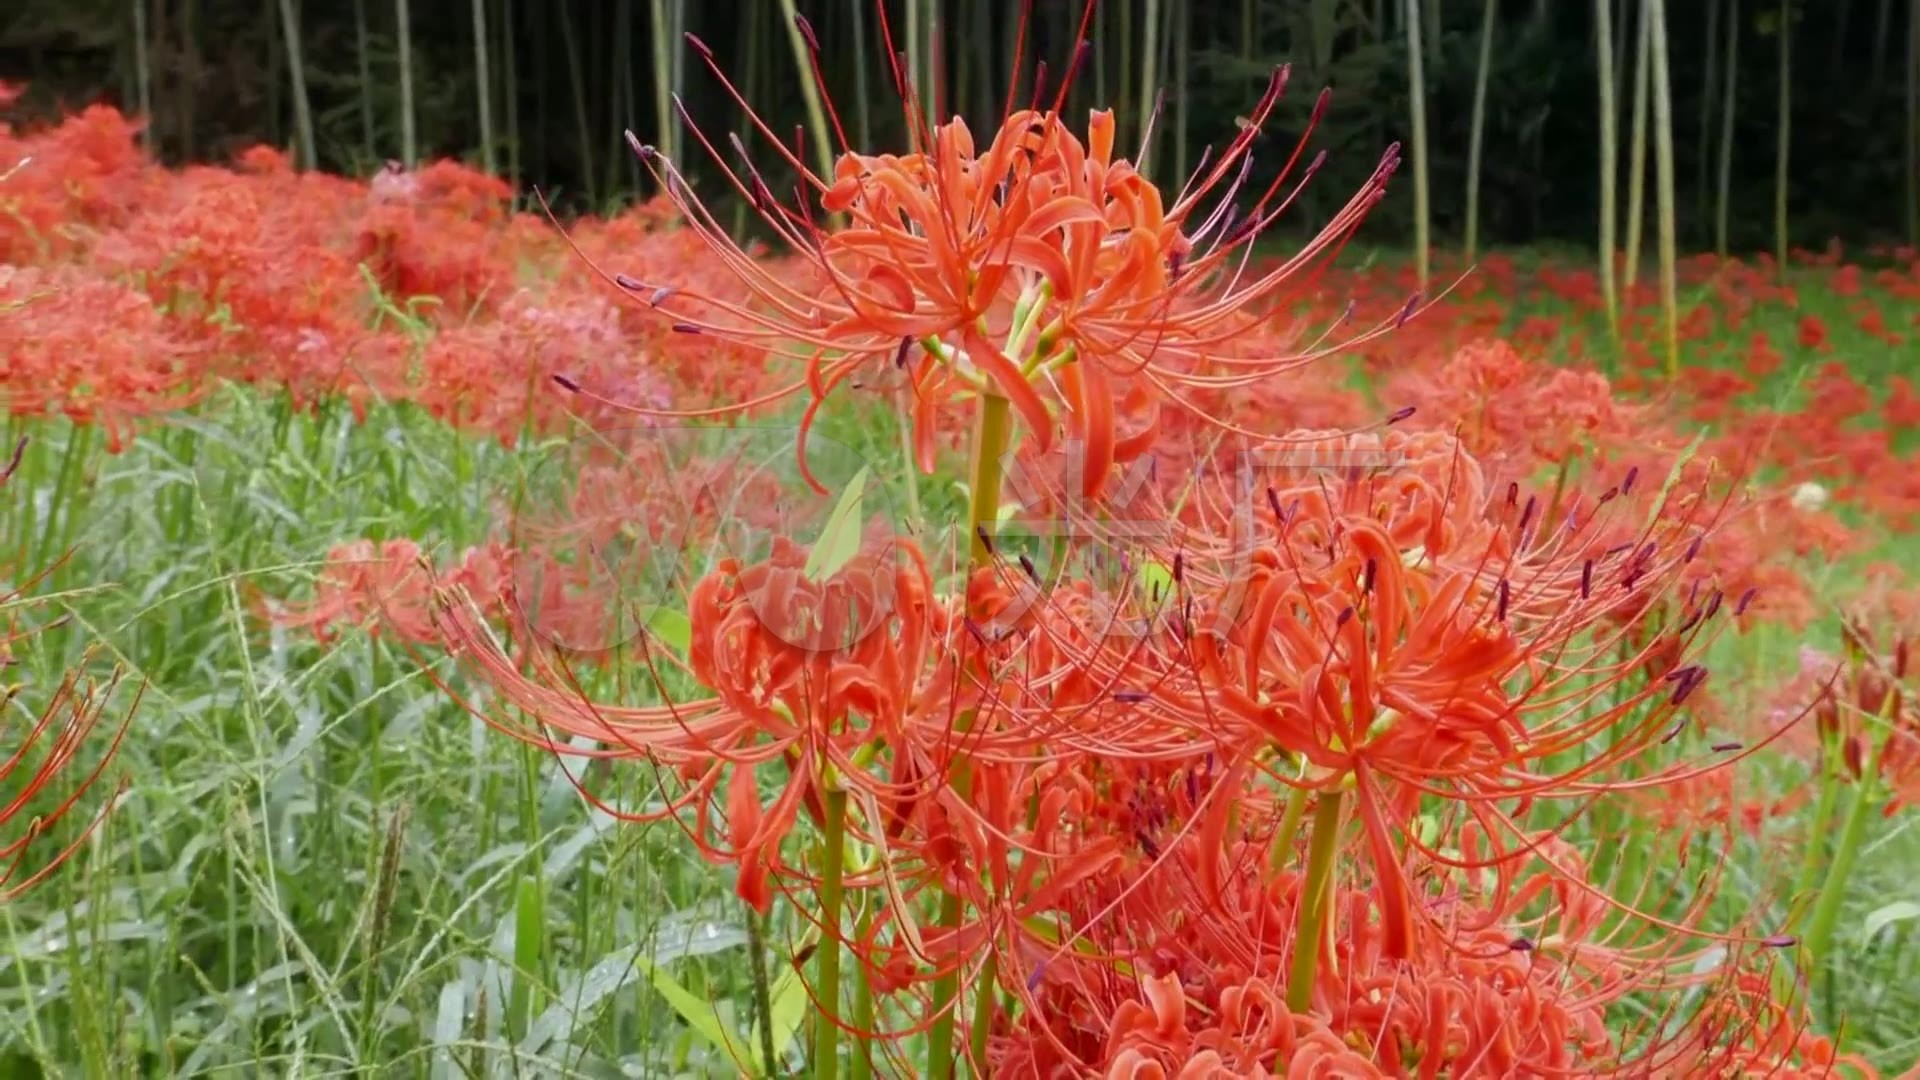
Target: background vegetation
pixel 1811 98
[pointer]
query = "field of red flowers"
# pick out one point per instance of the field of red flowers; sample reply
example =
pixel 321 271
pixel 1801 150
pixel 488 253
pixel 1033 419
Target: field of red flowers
pixel 1015 617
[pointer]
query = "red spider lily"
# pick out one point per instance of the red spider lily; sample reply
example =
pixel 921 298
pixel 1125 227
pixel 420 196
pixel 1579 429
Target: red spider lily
pixel 41 757
pixel 1037 262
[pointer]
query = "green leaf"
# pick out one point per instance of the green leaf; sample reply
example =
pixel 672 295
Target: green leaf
pixel 701 1016
pixel 1156 583
pixel 672 627
pixel 840 540
pixel 1885 916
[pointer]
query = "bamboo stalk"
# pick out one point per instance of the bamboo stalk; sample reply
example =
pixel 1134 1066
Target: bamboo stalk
pixel 585 130
pixel 1416 87
pixel 1663 184
pixel 1882 30
pixel 810 94
pixel 366 80
pixel 1784 149
pixel 409 146
pixel 665 130
pixel 1609 159
pixel 1913 124
pixel 297 69
pixel 1709 84
pixel 510 96
pixel 143 74
pixel 1488 9
pixel 1720 212
pixel 1149 81
pixel 1182 28
pixel 1637 157
pixel 483 84
pixel 862 111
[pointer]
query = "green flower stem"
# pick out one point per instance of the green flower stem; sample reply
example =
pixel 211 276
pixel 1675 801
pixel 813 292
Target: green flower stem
pixel 991 434
pixel 1826 910
pixel 826 1031
pixel 1313 902
pixel 862 1067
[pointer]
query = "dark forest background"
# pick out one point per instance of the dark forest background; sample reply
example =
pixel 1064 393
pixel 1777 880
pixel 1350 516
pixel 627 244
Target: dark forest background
pixel 541 92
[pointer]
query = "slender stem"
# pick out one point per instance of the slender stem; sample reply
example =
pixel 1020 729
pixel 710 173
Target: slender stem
pixel 1833 891
pixel 762 990
pixel 992 431
pixel 861 1067
pixel 1720 211
pixel 1312 905
pixel 403 28
pixel 1478 133
pixel 1422 198
pixel 1816 846
pixel 826 1030
pixel 483 86
pixel 297 69
pixel 1609 160
pixel 1637 155
pixel 1289 828
pixel 1664 185
pixel 1784 151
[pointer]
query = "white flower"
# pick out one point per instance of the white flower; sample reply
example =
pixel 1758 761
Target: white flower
pixel 1809 496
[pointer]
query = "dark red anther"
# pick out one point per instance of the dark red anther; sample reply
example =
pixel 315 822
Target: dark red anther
pixel 1900 649
pixel 1746 598
pixel 1130 697
pixel 1609 495
pixel 1346 614
pixel 979 635
pixel 1780 941
pixel 565 384
pixel 1693 549
pixel 1526 514
pixel 685 328
pixel 1626 486
pixel 1273 500
pixel 806 31
pixel 1400 414
pixel 1728 747
pixel 1027 565
pixel 19 451
pixel 1506 594
pixel 1521 944
pixel 900 354
pixel 985 538
pixel 1850 754
pixel 1586 580
pixel 694 43
pixel 1179 565
pixel 1513 494
pixel 1366 576
pixel 627 283
pixel 1321 103
pixel 1407 312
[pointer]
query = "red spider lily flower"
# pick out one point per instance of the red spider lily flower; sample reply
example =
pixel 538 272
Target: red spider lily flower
pixel 1463 668
pixel 806 667
pixel 1039 267
pixel 37 760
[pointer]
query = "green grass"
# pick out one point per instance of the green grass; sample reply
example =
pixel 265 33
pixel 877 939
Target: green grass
pixel 323 866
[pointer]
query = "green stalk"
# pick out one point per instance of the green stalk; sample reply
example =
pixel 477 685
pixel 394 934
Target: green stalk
pixel 862 1066
pixel 1474 140
pixel 826 1030
pixel 483 85
pixel 1313 903
pixel 1663 185
pixel 403 22
pixel 297 69
pixel 1289 828
pixel 1637 153
pixel 1833 891
pixel 1422 197
pixel 1609 159
pixel 1913 124
pixel 810 94
pixel 1816 847
pixel 1784 149
pixel 993 430
pixel 1726 129
pixel 1708 83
